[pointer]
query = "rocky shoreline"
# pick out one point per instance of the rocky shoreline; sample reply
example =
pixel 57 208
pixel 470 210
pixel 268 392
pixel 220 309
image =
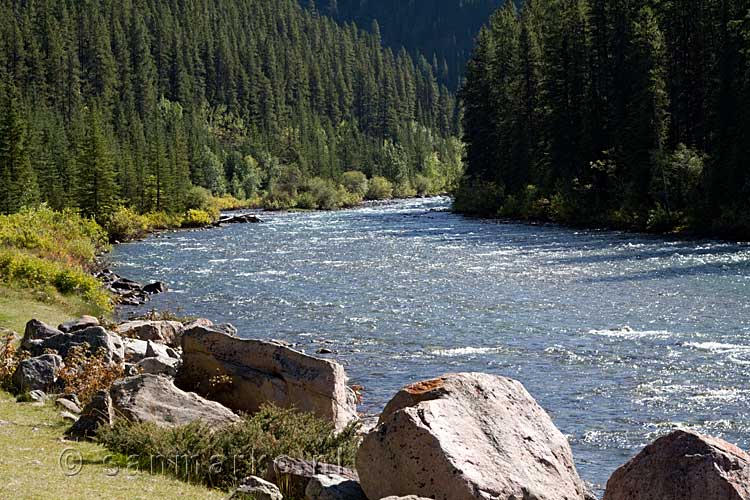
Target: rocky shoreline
pixel 460 436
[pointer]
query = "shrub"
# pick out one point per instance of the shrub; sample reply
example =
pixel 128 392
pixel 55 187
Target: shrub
pixel 85 375
pixel 62 236
pixel 126 225
pixel 355 182
pixel 278 199
pixel 423 185
pixel 163 220
pixel 379 188
pixel 223 458
pixel 199 198
pixel 18 268
pixel 10 356
pixel 196 218
pixel 307 201
pixel 477 197
pixel 404 190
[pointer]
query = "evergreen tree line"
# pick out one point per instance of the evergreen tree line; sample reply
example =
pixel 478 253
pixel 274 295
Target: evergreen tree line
pixel 134 102
pixel 617 112
pixel 435 32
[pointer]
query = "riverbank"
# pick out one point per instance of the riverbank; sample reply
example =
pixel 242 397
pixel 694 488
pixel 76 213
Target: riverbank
pixel 434 438
pixel 34 464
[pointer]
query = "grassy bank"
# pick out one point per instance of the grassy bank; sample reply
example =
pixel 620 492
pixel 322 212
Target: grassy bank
pixel 30 438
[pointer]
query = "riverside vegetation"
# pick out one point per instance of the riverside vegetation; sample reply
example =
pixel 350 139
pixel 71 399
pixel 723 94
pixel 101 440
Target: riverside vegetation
pixel 630 114
pixel 137 104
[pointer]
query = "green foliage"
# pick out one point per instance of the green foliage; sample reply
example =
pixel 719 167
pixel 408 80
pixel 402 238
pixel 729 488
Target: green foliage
pixel 104 105
pixel 21 269
pixel 197 218
pixel 477 197
pixel 379 188
pixel 125 225
pixel 235 451
pixel 355 182
pixel 621 113
pixel 64 236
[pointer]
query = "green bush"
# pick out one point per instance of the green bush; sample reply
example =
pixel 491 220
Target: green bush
pixel 379 188
pixel 126 225
pixel 221 458
pixel 196 218
pixel 404 190
pixel 199 198
pixel 477 197
pixel 307 201
pixel 423 185
pixel 355 182
pixel 22 269
pixel 278 199
pixel 163 220
pixel 62 236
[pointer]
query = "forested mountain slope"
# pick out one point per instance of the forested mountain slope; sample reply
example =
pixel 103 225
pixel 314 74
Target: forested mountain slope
pixel 105 102
pixel 635 114
pixel 441 31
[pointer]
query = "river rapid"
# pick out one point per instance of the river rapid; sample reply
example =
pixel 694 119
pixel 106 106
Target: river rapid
pixel 620 337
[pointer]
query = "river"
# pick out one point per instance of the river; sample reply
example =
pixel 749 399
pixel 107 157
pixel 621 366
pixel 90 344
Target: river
pixel 620 337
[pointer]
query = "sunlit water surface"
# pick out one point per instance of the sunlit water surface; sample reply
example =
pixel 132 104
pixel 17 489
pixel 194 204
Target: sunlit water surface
pixel 620 337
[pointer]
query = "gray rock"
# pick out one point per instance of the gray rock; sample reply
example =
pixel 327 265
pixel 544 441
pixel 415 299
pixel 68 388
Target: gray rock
pixel 39 373
pixel 135 349
pixel 407 497
pixel 467 436
pixel 156 350
pixel 164 332
pixel 66 415
pixel 38 396
pixel 264 372
pixel 36 332
pixel 683 465
pixel 68 405
pixel 98 412
pixel 332 487
pixel 78 324
pixel 295 473
pixel 154 398
pixel 95 336
pixel 255 488
pixel 159 366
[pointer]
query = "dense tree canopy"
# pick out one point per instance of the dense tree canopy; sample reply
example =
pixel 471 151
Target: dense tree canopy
pixel 437 32
pixel 634 113
pixel 104 102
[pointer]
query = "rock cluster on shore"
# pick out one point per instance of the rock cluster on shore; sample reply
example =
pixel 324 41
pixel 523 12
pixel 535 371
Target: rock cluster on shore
pixel 462 436
pixel 127 291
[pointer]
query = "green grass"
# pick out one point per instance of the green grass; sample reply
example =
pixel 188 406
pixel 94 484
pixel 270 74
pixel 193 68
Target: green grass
pixel 17 306
pixel 31 443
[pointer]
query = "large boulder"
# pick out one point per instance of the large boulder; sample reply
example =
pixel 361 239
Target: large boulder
pixel 295 473
pixel 255 488
pixel 160 365
pixel 78 324
pixel 683 466
pixel 35 333
pixel 95 336
pixel 262 372
pixel 97 412
pixel 165 332
pixel 39 373
pixel 467 436
pixel 333 487
pixel 137 350
pixel 154 398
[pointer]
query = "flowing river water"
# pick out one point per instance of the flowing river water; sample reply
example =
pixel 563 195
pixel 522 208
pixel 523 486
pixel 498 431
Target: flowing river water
pixel 620 337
